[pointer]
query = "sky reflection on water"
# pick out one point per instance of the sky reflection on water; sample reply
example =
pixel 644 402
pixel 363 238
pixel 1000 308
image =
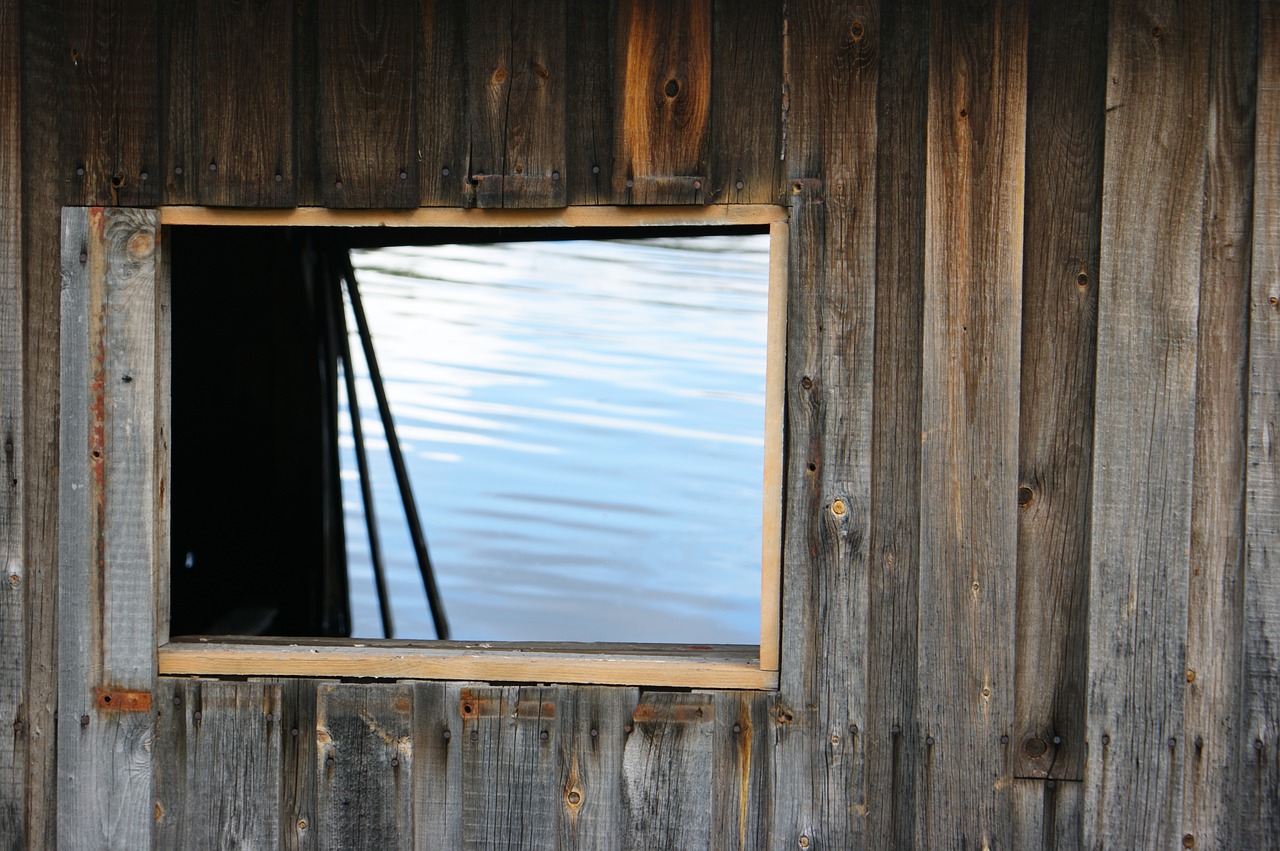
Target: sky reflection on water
pixel 583 422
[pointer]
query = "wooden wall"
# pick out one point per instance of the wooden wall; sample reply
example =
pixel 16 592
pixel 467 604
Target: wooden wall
pixel 1031 590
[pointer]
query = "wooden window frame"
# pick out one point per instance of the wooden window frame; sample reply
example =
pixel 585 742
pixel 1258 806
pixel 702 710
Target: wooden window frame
pixel 114 512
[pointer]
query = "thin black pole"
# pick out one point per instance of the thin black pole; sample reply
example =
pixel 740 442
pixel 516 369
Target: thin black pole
pixel 397 457
pixel 362 465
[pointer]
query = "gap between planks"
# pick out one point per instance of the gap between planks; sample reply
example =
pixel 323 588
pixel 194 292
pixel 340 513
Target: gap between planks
pixel 721 214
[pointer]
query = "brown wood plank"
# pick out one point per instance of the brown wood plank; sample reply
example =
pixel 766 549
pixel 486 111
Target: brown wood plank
pixel 1046 814
pixel 111 104
pixel 368 134
pixel 593 736
pixel 746 102
pixel 666 768
pixel 13 647
pixel 243 65
pixel 217 764
pixel 590 38
pixel 179 103
pixel 1215 613
pixel 969 414
pixel 890 729
pixel 662 106
pixel 517 85
pixel 832 77
pixel 742 771
pixel 443 132
pixel 363 766
pixel 1259 750
pixel 106 557
pixel 1066 81
pixel 437 766
pixel 42 186
pixel 1157 72
pixel 510 767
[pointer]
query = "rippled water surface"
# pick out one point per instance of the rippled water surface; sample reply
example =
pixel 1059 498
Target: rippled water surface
pixel 583 422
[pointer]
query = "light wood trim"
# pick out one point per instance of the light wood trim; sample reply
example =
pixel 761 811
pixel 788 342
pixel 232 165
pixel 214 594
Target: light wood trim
pixel 719 667
pixel 774 401
pixel 720 214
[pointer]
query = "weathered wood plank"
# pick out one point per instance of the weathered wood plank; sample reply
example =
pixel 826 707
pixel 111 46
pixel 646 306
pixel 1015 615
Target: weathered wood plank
pixel 107 518
pixel 1066 79
pixel 111 105
pixel 1215 613
pixel 298 802
pixel 589 42
pixel 746 101
pixel 890 731
pixel 442 134
pixel 179 103
pixel 662 107
pixel 593 737
pixel 367 73
pixel 1259 750
pixel 1046 814
pixel 510 768
pixel 969 413
pixel 517 103
pixel 742 771
pixel 666 767
pixel 438 738
pixel 217 764
pixel 832 77
pixel 363 766
pixel 244 128
pixel 1144 430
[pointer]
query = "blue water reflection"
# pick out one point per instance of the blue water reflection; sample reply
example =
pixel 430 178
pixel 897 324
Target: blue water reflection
pixel 583 422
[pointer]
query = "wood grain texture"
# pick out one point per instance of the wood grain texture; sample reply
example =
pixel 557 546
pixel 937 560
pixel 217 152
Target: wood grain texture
pixel 517 103
pixel 593 738
pixel 107 518
pixel 443 134
pixel 111 103
pixel 666 769
pixel 368 135
pixel 438 740
pixel 1215 601
pixel 179 101
pixel 1046 814
pixel 13 633
pixel 820 795
pixel 1066 79
pixel 742 771
pixel 298 800
pixel 590 41
pixel 1157 71
pixel 217 764
pixel 746 101
pixel 891 732
pixel 1259 750
pixel 364 766
pixel 969 414
pixel 662 107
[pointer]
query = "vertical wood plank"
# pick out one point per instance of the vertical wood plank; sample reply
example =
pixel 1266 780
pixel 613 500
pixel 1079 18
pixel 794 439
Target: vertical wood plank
pixel 741 771
pixel 746 101
pixel 110 116
pixel 179 103
pixel 364 766
pixel 1143 436
pixel 590 38
pixel 891 731
pixel 1259 752
pixel 832 78
pixel 593 738
pixel 367 73
pixel 13 633
pixel 218 764
pixel 443 135
pixel 662 107
pixel 437 765
pixel 1066 79
pixel 969 412
pixel 1046 814
pixel 666 767
pixel 510 769
pixel 298 802
pixel 1215 604
pixel 107 519
pixel 518 85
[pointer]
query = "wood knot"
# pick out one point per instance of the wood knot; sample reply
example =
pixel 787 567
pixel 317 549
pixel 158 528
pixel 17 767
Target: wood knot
pixel 1035 747
pixel 672 88
pixel 857 30
pixel 541 71
pixel 141 245
pixel 499 74
pixel 1025 495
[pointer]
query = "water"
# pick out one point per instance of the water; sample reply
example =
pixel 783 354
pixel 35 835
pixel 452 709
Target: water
pixel 583 424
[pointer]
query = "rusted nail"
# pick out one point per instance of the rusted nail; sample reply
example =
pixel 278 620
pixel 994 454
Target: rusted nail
pixel 1188 841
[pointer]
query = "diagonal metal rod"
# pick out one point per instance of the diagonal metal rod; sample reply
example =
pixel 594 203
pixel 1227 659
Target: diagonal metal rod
pixel 362 464
pixel 397 457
